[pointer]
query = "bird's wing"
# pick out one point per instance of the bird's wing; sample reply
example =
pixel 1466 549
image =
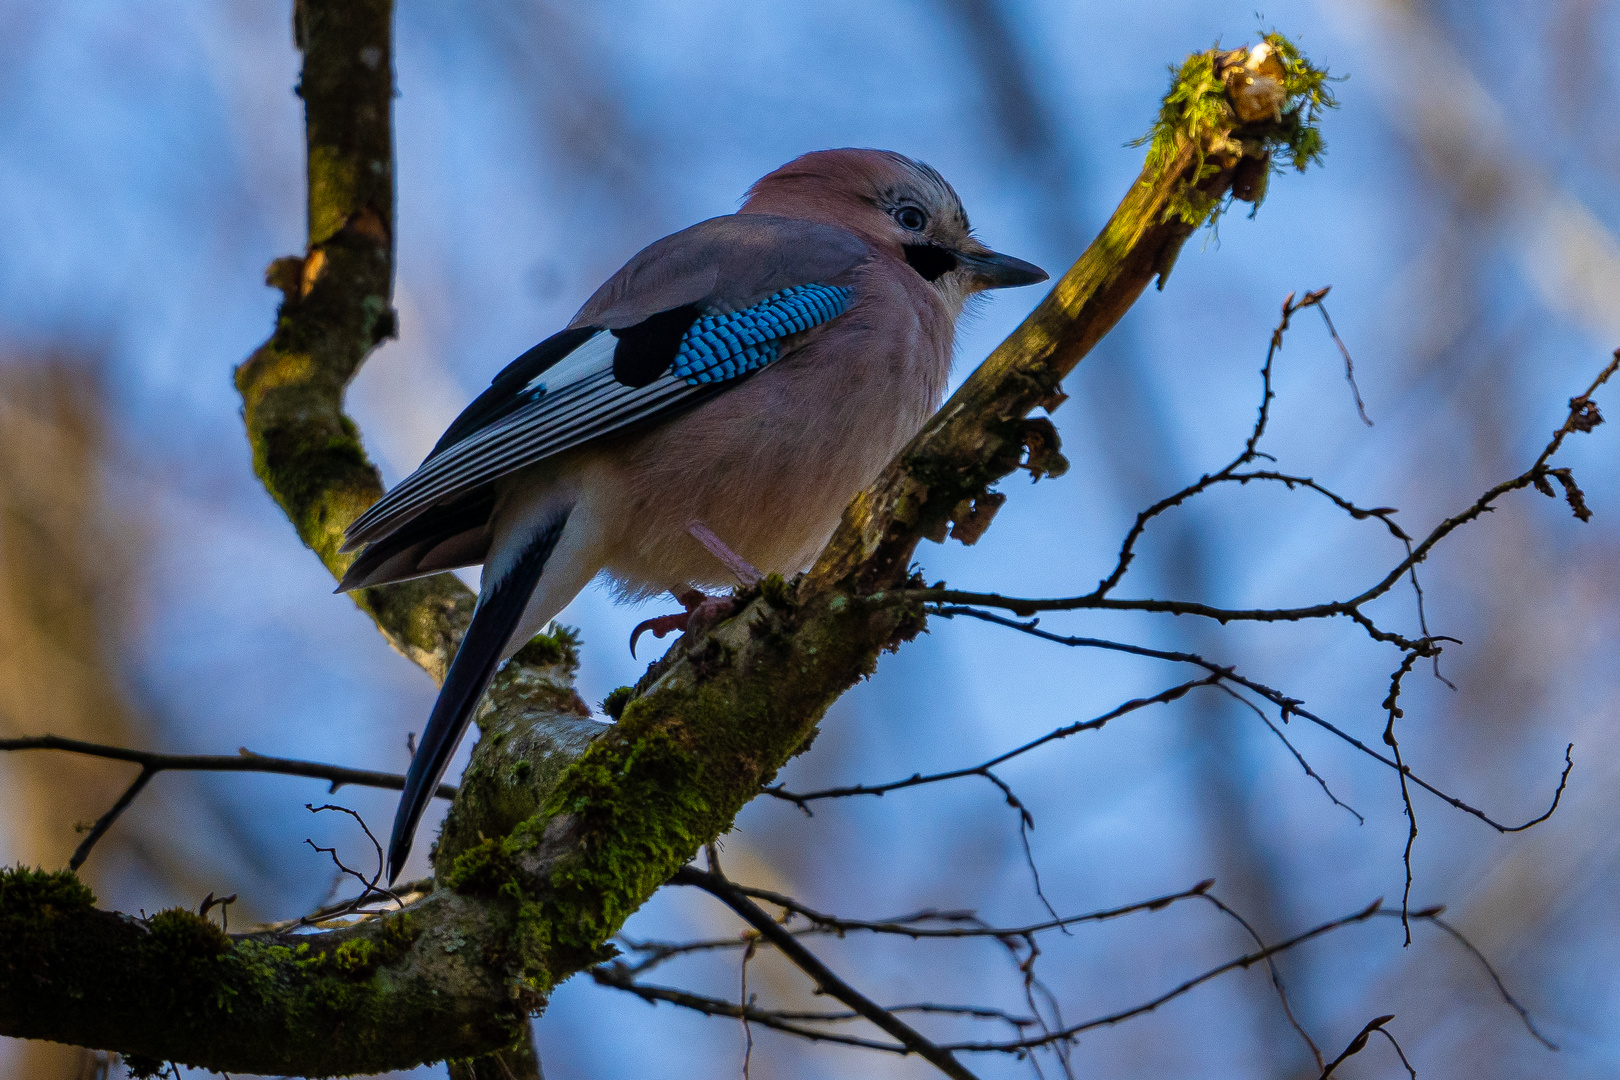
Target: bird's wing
pixel 681 322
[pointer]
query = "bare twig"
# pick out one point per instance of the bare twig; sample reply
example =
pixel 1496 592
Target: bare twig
pixel 1359 1043
pixel 105 821
pixel 745 1001
pixel 1349 365
pixel 1583 416
pixel 1026 822
pixel 153 763
pixel 1433 916
pixel 618 977
pixel 652 954
pixel 621 975
pixel 1251 449
pixel 1095 724
pixel 1410 1071
pixel 1299 757
pixel 1393 709
pixel 972 1012
pixel 1288 707
pixel 368 887
pixel 806 961
pixel 1276 976
pixel 905 925
pixel 1245 961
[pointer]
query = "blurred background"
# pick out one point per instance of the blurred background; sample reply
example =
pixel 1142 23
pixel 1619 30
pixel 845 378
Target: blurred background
pixel 151 165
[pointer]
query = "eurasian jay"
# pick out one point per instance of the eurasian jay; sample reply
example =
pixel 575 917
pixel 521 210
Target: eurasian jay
pixel 711 408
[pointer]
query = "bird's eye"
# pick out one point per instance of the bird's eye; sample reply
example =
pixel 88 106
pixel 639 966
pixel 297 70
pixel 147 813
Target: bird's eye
pixel 911 218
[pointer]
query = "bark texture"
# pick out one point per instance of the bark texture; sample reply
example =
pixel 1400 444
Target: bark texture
pixel 563 827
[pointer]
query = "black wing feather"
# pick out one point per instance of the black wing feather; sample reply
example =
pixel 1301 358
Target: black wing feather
pixel 647 349
pixel 505 394
pixel 441 538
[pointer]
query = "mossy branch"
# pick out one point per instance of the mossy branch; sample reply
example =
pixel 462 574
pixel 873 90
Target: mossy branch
pixel 562 827
pixel 388 992
pixel 1201 146
pixel 337 306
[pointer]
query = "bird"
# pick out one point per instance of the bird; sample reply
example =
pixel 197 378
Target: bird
pixel 707 414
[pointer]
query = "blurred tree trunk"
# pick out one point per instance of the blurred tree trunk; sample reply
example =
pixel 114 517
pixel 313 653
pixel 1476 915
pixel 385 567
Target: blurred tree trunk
pixel 64 598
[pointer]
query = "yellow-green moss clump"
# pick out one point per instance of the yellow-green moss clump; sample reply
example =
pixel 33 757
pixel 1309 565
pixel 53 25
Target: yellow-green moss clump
pixel 1264 103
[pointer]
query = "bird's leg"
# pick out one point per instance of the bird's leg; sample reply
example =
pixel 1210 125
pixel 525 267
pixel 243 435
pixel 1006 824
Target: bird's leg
pixel 701 611
pixel 740 568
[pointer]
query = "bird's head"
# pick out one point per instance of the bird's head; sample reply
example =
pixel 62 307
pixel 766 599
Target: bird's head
pixel 897 204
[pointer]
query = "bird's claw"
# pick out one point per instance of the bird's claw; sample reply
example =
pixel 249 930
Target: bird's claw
pixel 701 613
pixel 660 626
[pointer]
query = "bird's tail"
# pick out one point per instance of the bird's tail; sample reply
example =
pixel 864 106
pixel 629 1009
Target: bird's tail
pixel 492 626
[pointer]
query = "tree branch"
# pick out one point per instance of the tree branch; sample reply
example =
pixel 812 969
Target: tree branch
pixel 337 307
pixel 1583 416
pixel 561 827
pixel 825 980
pixel 941 480
pixel 1286 706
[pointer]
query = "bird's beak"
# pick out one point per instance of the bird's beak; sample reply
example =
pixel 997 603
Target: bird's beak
pixel 993 270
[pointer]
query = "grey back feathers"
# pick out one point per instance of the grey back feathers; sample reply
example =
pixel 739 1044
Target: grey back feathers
pixel 724 264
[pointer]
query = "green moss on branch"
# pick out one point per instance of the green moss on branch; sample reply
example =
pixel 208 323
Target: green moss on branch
pixel 336 308
pixel 386 994
pixel 716 723
pixel 1263 102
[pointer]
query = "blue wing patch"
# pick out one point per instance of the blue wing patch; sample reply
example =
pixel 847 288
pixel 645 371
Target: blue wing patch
pixel 573 394
pixel 720 347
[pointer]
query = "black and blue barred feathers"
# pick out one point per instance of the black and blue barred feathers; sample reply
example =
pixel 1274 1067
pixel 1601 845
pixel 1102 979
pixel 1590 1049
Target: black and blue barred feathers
pixel 720 347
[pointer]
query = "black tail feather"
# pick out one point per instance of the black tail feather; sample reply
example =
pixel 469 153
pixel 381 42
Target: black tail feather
pixel 470 673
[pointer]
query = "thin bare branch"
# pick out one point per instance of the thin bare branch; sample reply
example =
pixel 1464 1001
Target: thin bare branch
pixel 1245 961
pixel 829 983
pixel 368 886
pixel 905 925
pixel 617 977
pixel 1580 418
pixel 1358 1044
pixel 1433 916
pixel 1299 757
pixel 1393 709
pixel 1344 351
pixel 621 975
pixel 1095 724
pixel 1276 976
pixel 245 761
pixel 1288 707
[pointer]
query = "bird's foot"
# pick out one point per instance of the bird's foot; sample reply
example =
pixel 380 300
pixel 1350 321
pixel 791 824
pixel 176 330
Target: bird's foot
pixel 701 613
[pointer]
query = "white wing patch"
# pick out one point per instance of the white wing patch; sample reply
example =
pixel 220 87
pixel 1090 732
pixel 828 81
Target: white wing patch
pixel 596 354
